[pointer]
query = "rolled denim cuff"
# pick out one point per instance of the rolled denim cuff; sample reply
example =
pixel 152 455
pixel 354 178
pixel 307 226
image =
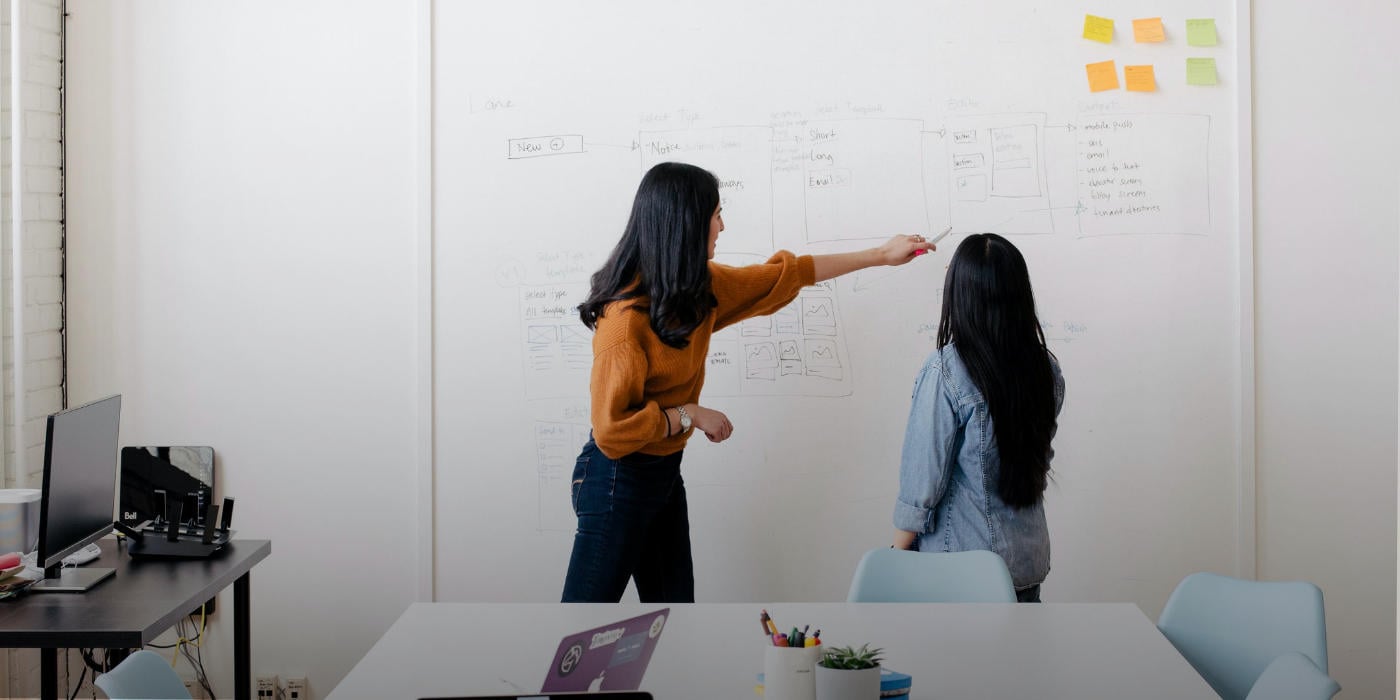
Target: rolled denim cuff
pixel 911 517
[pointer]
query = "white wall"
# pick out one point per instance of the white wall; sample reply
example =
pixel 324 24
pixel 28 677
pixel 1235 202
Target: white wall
pixel 241 258
pixel 242 261
pixel 1327 170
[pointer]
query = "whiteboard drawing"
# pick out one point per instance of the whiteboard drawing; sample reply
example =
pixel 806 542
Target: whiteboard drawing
pixel 538 146
pixel 993 170
pixel 557 446
pixel 1144 174
pixel 558 348
pixel 863 175
pixel 802 352
pixel 741 158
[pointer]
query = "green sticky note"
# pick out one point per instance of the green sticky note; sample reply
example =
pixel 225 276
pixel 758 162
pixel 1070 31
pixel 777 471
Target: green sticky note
pixel 1200 71
pixel 1201 32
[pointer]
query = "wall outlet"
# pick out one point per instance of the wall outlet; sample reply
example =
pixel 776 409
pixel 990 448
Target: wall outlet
pixel 193 687
pixel 296 689
pixel 267 688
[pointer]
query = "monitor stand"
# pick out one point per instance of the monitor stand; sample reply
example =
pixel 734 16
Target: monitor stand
pixel 73 579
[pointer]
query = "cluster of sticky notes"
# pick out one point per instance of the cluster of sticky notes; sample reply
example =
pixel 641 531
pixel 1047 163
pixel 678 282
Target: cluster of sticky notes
pixel 1150 30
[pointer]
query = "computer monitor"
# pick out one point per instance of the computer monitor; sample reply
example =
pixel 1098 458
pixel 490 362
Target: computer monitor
pixel 80 491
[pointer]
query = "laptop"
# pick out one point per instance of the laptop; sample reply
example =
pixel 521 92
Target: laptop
pixel 612 657
pixel 619 695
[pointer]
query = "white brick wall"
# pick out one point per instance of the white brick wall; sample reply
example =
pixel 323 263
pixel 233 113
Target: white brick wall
pixel 41 73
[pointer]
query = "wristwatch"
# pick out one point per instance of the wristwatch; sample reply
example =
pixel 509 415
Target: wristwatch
pixel 685 419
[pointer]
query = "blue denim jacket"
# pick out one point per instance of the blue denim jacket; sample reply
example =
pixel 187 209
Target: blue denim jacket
pixel 949 470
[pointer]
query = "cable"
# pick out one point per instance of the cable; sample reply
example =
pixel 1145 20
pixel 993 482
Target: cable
pixel 78 687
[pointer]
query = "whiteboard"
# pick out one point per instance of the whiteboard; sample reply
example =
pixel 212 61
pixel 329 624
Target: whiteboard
pixel 831 126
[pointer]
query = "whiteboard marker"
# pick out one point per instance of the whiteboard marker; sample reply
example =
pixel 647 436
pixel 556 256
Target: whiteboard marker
pixel 943 235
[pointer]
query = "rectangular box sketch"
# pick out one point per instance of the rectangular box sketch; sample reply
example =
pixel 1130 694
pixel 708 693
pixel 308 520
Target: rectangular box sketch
pixel 1144 174
pixel 558 348
pixel 993 171
pixel 741 157
pixel 755 327
pixel 805 354
pixel 540 146
pixel 863 175
pixel 557 446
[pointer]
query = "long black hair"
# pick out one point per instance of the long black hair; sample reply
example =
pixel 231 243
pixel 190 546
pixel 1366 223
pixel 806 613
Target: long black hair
pixel 664 253
pixel 989 314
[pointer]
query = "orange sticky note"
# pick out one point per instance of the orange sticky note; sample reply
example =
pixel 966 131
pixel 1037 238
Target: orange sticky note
pixel 1098 29
pixel 1149 30
pixel 1102 76
pixel 1140 78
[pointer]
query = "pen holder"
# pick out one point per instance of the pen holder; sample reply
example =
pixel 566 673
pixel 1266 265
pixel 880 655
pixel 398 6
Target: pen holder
pixel 789 673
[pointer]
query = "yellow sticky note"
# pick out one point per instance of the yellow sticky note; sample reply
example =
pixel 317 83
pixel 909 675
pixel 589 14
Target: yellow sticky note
pixel 1140 78
pixel 1102 76
pixel 1201 32
pixel 1098 29
pixel 1200 71
pixel 1149 30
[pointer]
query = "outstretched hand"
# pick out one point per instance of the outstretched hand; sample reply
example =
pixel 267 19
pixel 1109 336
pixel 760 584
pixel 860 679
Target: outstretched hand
pixel 901 249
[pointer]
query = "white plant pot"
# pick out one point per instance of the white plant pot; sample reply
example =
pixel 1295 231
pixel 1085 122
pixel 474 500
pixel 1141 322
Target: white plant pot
pixel 847 684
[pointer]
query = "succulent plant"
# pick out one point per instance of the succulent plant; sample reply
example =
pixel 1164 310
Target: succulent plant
pixel 849 657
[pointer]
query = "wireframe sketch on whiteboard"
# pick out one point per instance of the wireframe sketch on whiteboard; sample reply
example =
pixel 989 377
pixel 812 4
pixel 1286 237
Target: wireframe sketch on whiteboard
pixel 741 157
pixel 557 446
pixel 798 351
pixel 1144 174
pixel 993 169
pixel 558 348
pixel 861 176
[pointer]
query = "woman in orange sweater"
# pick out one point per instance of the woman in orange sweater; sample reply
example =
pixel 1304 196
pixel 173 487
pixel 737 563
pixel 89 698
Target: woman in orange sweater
pixel 653 307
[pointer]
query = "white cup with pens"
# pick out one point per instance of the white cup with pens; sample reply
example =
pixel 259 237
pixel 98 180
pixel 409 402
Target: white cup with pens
pixel 789 662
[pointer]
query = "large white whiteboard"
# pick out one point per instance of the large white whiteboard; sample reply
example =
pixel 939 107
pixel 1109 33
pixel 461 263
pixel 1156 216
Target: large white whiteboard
pixel 832 125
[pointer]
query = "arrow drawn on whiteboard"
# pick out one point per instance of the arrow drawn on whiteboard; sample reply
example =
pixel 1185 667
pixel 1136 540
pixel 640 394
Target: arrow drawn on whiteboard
pixel 633 147
pixel 866 279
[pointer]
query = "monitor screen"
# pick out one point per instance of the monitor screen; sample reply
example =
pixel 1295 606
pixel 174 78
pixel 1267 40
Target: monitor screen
pixel 80 478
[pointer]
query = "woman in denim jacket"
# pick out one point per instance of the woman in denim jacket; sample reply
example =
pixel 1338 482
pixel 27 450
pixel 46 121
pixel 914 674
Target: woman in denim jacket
pixel 977 448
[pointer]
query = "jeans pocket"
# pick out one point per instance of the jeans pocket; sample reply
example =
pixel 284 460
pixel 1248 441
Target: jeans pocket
pixel 576 485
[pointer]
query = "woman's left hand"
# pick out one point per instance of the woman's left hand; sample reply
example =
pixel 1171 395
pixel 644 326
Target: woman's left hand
pixel 901 249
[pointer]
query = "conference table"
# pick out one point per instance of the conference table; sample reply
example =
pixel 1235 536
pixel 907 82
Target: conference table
pixel 715 650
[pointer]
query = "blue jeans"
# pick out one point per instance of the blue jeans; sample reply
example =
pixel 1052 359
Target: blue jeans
pixel 1030 595
pixel 632 524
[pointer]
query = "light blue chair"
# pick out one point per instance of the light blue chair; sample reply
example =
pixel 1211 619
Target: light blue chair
pixel 901 576
pixel 144 675
pixel 1230 629
pixel 1293 677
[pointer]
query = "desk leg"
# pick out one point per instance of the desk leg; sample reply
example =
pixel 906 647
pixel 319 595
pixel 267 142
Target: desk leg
pixel 48 674
pixel 242 641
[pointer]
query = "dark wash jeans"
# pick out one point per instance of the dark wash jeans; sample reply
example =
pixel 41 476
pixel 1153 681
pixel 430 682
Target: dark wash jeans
pixel 632 524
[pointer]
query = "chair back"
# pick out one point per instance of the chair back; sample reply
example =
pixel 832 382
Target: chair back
pixel 1231 629
pixel 1293 677
pixel 144 675
pixel 901 576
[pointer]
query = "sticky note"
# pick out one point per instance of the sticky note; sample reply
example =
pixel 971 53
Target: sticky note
pixel 1201 32
pixel 1102 76
pixel 1200 71
pixel 1140 78
pixel 1146 31
pixel 1098 29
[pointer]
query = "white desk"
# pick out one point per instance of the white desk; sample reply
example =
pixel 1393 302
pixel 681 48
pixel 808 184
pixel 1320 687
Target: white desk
pixel 714 651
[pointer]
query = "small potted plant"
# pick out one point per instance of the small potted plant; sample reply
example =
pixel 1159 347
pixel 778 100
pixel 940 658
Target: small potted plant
pixel 849 673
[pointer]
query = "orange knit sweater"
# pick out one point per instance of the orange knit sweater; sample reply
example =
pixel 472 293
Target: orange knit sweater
pixel 636 376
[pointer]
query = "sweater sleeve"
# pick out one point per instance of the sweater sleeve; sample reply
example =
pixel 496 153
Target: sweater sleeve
pixel 757 290
pixel 623 421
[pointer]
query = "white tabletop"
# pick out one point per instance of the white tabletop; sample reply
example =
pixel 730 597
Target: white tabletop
pixel 713 651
